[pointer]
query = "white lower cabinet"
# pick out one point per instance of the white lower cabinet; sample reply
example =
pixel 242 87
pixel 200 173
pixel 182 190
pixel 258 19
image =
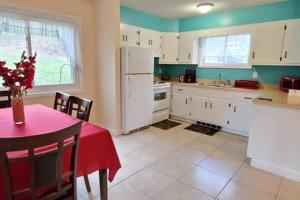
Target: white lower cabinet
pixel 180 106
pixel 210 107
pixel 239 117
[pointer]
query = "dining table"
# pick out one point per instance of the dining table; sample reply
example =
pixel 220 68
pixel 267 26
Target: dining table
pixel 96 149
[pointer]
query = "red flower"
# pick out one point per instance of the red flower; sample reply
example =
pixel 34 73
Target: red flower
pixel 19 79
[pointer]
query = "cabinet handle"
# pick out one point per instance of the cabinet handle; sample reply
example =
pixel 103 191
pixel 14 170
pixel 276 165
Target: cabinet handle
pixel 210 105
pixel 163 56
pixel 126 38
pixel 247 98
pixel 180 90
pixel 186 101
pixel 253 55
pixel 227 122
pixel 285 54
pixel 234 110
pixel 229 105
pixel 123 38
pixel 149 42
pixel 189 56
pixel 205 104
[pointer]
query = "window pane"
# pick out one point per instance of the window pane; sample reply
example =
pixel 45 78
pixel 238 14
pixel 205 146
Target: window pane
pixel 54 45
pixel 224 50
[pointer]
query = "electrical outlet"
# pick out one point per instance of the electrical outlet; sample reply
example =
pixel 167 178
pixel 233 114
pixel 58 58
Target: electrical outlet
pixel 254 75
pixel 160 71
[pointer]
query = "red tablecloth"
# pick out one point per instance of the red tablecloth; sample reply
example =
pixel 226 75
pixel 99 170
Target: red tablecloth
pixel 96 149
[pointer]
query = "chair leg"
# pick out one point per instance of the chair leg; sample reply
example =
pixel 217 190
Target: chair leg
pixel 103 184
pixel 87 183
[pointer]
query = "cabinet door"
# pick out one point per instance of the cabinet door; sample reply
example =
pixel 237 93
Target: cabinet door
pixel 151 39
pixel 199 108
pixel 292 43
pixel 186 47
pixel 239 117
pixel 123 33
pixel 218 112
pixel 268 44
pixel 130 36
pixel 180 105
pixel 170 48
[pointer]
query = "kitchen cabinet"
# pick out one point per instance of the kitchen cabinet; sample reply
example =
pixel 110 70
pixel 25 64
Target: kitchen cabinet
pixel 267 43
pixel 239 117
pixel 129 35
pixel 188 48
pixel 151 39
pixel 227 109
pixel 290 53
pixel 180 106
pixel 170 46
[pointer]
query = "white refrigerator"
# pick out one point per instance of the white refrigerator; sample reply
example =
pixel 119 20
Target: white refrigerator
pixel 137 68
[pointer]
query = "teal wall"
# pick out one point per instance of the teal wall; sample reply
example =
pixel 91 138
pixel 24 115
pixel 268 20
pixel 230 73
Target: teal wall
pixel 289 9
pixel 138 18
pixel 263 13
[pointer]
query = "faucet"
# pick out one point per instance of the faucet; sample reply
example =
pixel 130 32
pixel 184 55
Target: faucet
pixel 220 77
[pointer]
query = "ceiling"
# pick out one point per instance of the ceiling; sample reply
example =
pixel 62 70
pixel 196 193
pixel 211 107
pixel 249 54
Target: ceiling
pixel 187 8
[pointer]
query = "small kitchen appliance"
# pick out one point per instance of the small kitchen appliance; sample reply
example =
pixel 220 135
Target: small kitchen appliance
pixel 190 76
pixel 247 84
pixel 287 83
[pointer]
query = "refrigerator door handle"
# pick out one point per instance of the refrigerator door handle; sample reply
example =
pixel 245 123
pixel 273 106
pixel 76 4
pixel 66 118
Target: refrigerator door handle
pixel 129 87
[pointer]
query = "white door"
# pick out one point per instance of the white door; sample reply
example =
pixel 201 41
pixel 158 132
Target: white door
pixel 268 43
pixel 291 47
pixel 186 47
pixel 199 108
pixel 217 111
pixel 136 60
pixel 139 102
pixel 151 39
pixel 170 48
pixel 180 105
pixel 239 117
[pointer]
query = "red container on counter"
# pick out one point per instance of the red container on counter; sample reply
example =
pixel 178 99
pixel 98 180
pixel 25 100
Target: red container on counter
pixel 247 84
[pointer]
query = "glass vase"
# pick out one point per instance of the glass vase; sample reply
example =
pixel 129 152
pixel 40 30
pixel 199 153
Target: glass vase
pixel 17 105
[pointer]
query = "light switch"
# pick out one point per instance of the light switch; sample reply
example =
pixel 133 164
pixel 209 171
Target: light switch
pixel 254 75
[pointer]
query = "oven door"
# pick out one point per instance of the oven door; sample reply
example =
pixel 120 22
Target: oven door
pixel 161 99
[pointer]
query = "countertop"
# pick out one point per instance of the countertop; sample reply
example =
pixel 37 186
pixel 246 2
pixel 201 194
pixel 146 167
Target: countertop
pixel 271 97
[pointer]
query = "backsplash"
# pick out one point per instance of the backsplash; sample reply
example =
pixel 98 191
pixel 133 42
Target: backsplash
pixel 266 74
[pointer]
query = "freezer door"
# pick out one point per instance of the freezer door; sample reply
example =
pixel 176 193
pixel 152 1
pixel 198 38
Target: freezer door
pixel 137 102
pixel 136 60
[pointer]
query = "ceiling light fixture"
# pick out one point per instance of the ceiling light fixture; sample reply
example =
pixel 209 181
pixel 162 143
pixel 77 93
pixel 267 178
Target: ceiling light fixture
pixel 205 7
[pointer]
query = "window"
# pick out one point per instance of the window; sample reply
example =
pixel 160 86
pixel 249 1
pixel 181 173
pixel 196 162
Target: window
pixel 54 42
pixel 225 51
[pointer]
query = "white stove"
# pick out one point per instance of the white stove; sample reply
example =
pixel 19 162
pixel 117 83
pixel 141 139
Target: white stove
pixel 161 108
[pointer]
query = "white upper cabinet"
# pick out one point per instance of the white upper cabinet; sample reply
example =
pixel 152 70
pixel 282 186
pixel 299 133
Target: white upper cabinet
pixel 151 39
pixel 170 48
pixel 188 48
pixel 129 35
pixel 290 53
pixel 267 43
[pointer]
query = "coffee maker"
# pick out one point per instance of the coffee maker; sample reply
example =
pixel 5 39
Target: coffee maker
pixel 190 76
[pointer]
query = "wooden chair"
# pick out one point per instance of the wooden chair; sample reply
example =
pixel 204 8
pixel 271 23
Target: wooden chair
pixel 61 102
pixel 81 108
pixel 45 166
pixel 7 102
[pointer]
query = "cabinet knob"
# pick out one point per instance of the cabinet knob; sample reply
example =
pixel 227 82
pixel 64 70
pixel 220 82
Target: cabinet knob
pixel 285 54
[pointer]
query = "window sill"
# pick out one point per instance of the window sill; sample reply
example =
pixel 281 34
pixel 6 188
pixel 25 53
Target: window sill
pixel 34 95
pixel 226 66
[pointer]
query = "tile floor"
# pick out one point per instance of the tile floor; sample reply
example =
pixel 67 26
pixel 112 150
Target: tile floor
pixel 178 164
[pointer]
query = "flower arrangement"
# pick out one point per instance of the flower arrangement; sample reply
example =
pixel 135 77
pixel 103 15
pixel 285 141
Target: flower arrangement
pixel 19 79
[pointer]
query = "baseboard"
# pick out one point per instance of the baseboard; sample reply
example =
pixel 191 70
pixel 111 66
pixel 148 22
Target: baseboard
pixel 291 174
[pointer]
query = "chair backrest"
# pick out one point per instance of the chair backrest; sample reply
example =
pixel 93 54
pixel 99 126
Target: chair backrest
pixel 82 107
pixel 46 153
pixel 7 101
pixel 61 102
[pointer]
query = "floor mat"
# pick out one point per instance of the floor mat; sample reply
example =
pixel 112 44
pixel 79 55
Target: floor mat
pixel 166 124
pixel 202 129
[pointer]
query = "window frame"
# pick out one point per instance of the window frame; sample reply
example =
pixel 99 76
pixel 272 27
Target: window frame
pixel 247 65
pixel 27 16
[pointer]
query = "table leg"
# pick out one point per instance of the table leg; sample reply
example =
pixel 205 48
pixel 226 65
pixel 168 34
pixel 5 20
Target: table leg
pixel 103 184
pixel 87 183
